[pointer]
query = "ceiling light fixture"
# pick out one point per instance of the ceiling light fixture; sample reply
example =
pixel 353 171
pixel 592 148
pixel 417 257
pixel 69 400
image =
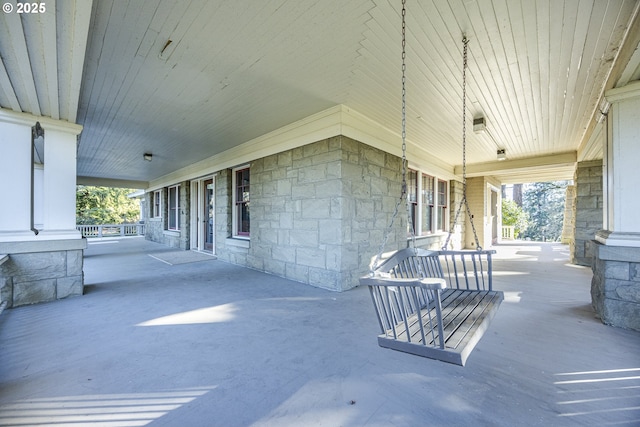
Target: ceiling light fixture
pixel 502 154
pixel 148 156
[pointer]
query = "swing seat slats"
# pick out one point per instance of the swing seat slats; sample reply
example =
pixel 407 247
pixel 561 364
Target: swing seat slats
pixel 435 304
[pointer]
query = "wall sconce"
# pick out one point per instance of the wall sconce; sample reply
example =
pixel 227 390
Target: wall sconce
pixel 502 154
pixel 148 156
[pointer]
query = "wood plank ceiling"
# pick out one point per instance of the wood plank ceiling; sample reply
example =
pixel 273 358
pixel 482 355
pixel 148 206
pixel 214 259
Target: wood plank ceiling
pixel 235 70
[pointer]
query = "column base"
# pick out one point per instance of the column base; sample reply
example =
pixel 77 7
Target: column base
pixel 40 271
pixel 616 238
pixel 615 287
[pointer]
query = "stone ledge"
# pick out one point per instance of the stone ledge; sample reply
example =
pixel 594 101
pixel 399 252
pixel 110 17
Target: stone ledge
pixel 239 242
pixel 42 246
pixel 617 253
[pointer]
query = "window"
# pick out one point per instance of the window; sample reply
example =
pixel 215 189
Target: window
pixel 241 202
pixel 442 204
pixel 427 203
pixel 156 204
pixel 412 195
pixel 174 208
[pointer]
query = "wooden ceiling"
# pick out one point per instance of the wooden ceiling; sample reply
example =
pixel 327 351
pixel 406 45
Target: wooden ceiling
pixel 236 70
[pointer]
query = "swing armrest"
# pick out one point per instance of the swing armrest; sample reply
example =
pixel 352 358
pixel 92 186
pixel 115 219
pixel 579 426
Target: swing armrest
pixel 428 283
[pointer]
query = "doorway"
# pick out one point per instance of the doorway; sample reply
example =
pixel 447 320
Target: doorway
pixel 203 223
pixel 208 215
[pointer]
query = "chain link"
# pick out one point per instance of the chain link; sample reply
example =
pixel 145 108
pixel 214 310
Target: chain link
pixel 403 191
pixel 464 200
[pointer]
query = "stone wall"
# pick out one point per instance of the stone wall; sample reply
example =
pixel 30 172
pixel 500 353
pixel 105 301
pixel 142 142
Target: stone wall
pixel 568 221
pixel 39 271
pixel 615 287
pixel 319 213
pixel 588 210
pixel 156 229
pixel 227 248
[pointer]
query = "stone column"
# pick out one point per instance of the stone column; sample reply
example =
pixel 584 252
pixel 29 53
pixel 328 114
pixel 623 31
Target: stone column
pixel 588 210
pixel 615 288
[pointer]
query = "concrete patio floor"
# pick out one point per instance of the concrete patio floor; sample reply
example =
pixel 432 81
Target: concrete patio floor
pixel 212 344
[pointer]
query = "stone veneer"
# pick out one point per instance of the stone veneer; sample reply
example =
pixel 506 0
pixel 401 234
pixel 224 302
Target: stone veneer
pixel 568 220
pixel 156 229
pixel 318 212
pixel 589 204
pixel 615 287
pixel 40 271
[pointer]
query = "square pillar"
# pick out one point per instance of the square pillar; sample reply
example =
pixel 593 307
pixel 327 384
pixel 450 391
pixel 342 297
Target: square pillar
pixel 15 180
pixel 42 259
pixel 615 288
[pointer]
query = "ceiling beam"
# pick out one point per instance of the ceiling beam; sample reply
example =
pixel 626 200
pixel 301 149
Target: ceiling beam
pixel 19 44
pixel 623 59
pixel 522 167
pixel 112 183
pixel 77 44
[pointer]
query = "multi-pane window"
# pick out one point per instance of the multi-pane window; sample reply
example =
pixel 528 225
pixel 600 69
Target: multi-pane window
pixel 156 203
pixel 241 200
pixel 174 208
pixel 427 203
pixel 442 204
pixel 412 196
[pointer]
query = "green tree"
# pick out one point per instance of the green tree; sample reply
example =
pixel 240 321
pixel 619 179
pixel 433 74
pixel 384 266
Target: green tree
pixel 544 204
pixel 104 205
pixel 514 215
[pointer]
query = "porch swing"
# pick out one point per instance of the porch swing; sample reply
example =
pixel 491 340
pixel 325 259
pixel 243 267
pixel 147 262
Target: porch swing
pixel 432 303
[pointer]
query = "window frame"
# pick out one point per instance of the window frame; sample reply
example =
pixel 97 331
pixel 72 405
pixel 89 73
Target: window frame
pixel 427 203
pixel 442 201
pixel 237 204
pixel 156 208
pixel 438 222
pixel 173 212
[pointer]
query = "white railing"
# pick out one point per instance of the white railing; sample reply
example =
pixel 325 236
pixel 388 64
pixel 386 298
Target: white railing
pixel 111 230
pixel 508 232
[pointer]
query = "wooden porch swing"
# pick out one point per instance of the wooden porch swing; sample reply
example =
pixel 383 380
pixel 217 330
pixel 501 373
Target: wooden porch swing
pixel 435 304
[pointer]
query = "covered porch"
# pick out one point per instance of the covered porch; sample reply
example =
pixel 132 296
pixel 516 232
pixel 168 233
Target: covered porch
pixel 211 343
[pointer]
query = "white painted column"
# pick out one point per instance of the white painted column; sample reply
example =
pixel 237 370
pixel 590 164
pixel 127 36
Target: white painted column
pixel 59 203
pixel 622 169
pixel 15 179
pixel 56 198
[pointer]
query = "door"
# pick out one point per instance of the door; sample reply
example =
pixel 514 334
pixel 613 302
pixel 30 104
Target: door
pixel 207 215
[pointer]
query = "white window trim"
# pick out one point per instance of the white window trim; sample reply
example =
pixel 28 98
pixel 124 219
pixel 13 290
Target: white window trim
pixel 177 218
pixel 234 212
pixel 157 201
pixel 434 219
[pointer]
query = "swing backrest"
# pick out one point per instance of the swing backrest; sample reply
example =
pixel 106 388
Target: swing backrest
pixel 464 270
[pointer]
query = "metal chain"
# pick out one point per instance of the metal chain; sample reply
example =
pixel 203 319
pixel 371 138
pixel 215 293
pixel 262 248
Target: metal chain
pixel 464 200
pixel 403 191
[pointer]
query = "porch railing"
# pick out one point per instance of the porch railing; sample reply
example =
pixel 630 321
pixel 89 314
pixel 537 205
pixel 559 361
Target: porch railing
pixel 111 230
pixel 508 232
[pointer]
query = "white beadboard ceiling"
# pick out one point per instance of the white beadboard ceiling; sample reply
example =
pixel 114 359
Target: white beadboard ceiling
pixel 235 70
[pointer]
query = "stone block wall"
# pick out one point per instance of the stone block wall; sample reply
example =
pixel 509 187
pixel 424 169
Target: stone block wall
pixel 589 205
pixel 319 212
pixel 156 229
pixel 41 271
pixel 228 249
pixel 568 221
pixel 615 286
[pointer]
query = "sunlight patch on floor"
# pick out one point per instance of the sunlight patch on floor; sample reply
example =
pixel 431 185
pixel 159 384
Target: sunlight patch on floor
pixel 106 410
pixel 216 314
